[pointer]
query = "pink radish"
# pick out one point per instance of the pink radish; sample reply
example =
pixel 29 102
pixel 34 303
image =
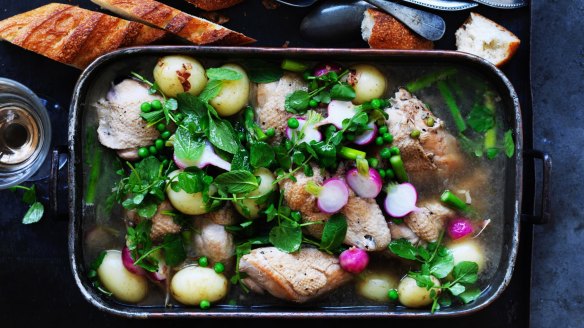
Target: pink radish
pixel 129 262
pixel 401 200
pixel 208 157
pixel 459 227
pixel 160 274
pixel 322 69
pixel 309 132
pixel 367 136
pixel 354 260
pixel 338 111
pixel 332 196
pixel 365 185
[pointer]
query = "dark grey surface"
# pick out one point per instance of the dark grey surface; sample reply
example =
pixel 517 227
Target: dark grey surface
pixel 558 100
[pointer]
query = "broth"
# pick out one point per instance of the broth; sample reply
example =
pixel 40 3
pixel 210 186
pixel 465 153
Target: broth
pixel 105 230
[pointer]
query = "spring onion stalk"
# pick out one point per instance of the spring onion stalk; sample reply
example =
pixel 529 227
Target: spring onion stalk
pixel 293 65
pixel 398 168
pixel 428 80
pixel 363 166
pixel 351 153
pixel 452 200
pixel 94 174
pixel 451 103
pixel 312 188
pixel 491 134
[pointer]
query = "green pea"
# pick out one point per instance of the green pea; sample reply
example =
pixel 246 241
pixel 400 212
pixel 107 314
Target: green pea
pixel 385 153
pixel 159 144
pixel 203 261
pixel 143 152
pixel 430 121
pixel 165 162
pixel 394 150
pixel 390 174
pixel 373 162
pixel 293 123
pixel 219 267
pixel 152 150
pixel 161 127
pixel 145 107
pixel 313 103
pixel 156 104
pixel 165 135
pixel 379 141
pixel 204 304
pixel 393 295
pixel 383 130
pixel 415 134
pixel 376 103
pixel 382 174
pixel 388 138
pixel 270 132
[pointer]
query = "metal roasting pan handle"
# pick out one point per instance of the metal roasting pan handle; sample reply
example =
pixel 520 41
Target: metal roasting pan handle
pixel 545 216
pixel 54 183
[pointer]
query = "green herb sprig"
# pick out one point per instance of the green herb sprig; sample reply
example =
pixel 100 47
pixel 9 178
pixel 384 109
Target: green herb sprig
pixel 36 210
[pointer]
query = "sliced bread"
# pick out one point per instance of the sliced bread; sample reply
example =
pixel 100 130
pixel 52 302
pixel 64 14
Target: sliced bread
pixel 383 31
pixel 212 5
pixel 482 37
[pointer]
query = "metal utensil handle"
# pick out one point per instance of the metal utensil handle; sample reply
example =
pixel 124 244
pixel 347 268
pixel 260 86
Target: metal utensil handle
pixel 54 180
pixel 545 215
pixel 428 25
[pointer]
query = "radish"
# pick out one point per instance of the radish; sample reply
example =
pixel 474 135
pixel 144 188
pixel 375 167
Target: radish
pixel 322 69
pixel 160 274
pixel 332 196
pixel 354 260
pixel 309 132
pixel 401 200
pixel 128 262
pixel 459 227
pixel 367 136
pixel 366 185
pixel 208 157
pixel 338 111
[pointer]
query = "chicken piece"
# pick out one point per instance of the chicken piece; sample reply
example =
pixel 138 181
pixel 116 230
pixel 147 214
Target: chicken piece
pixel 130 154
pixel 435 152
pixel 299 277
pixel 402 231
pixel 163 224
pixel 223 216
pixel 213 241
pixel 270 103
pixel 120 124
pixel 366 225
pixel 429 220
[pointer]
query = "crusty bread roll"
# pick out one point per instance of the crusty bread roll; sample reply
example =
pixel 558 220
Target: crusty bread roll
pixel 194 29
pixel 482 37
pixel 383 31
pixel 211 5
pixel 72 35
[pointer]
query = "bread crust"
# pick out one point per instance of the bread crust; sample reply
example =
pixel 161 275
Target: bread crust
pixel 72 35
pixel 389 33
pixel 211 5
pixel 194 29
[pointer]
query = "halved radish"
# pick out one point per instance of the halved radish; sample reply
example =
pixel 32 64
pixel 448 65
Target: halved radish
pixel 367 136
pixel 338 111
pixel 333 196
pixel 309 132
pixel 208 157
pixel 401 200
pixel 365 185
pixel 128 262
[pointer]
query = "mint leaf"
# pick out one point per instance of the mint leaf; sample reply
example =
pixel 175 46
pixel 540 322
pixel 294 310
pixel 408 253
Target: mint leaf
pixel 34 213
pixel 236 182
pixel 403 249
pixel 334 232
pixel 241 160
pixel 223 74
pixel 29 196
pixel 186 146
pixel 174 252
pixel 261 154
pixel 509 144
pixel 342 92
pixel 211 90
pixel 297 102
pixel 286 238
pixel 222 135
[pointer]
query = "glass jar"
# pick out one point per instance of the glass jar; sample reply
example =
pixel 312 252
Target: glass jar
pixel 25 133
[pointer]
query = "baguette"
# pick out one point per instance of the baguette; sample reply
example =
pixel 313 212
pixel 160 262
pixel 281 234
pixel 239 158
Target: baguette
pixel 72 35
pixel 194 29
pixel 482 37
pixel 383 31
pixel 212 5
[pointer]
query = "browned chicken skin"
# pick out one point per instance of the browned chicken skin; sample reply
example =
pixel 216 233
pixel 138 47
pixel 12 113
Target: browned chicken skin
pixel 299 277
pixel 429 220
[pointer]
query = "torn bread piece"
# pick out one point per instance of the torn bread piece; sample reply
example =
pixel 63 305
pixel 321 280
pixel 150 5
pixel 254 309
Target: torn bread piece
pixel 194 29
pixel 383 31
pixel 482 37
pixel 72 35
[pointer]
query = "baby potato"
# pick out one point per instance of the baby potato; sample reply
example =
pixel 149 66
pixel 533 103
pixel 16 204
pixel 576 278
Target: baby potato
pixel 413 296
pixel 123 284
pixel 191 204
pixel 368 82
pixel 249 208
pixel 234 95
pixel 177 74
pixel 374 285
pixel 467 250
pixel 193 284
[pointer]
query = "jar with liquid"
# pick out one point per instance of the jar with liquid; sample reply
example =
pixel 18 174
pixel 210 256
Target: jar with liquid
pixel 25 133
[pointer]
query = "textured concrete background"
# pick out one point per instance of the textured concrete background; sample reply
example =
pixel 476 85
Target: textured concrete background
pixel 558 96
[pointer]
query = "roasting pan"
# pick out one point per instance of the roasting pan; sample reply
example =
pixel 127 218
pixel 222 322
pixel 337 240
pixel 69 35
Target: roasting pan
pixel 96 80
